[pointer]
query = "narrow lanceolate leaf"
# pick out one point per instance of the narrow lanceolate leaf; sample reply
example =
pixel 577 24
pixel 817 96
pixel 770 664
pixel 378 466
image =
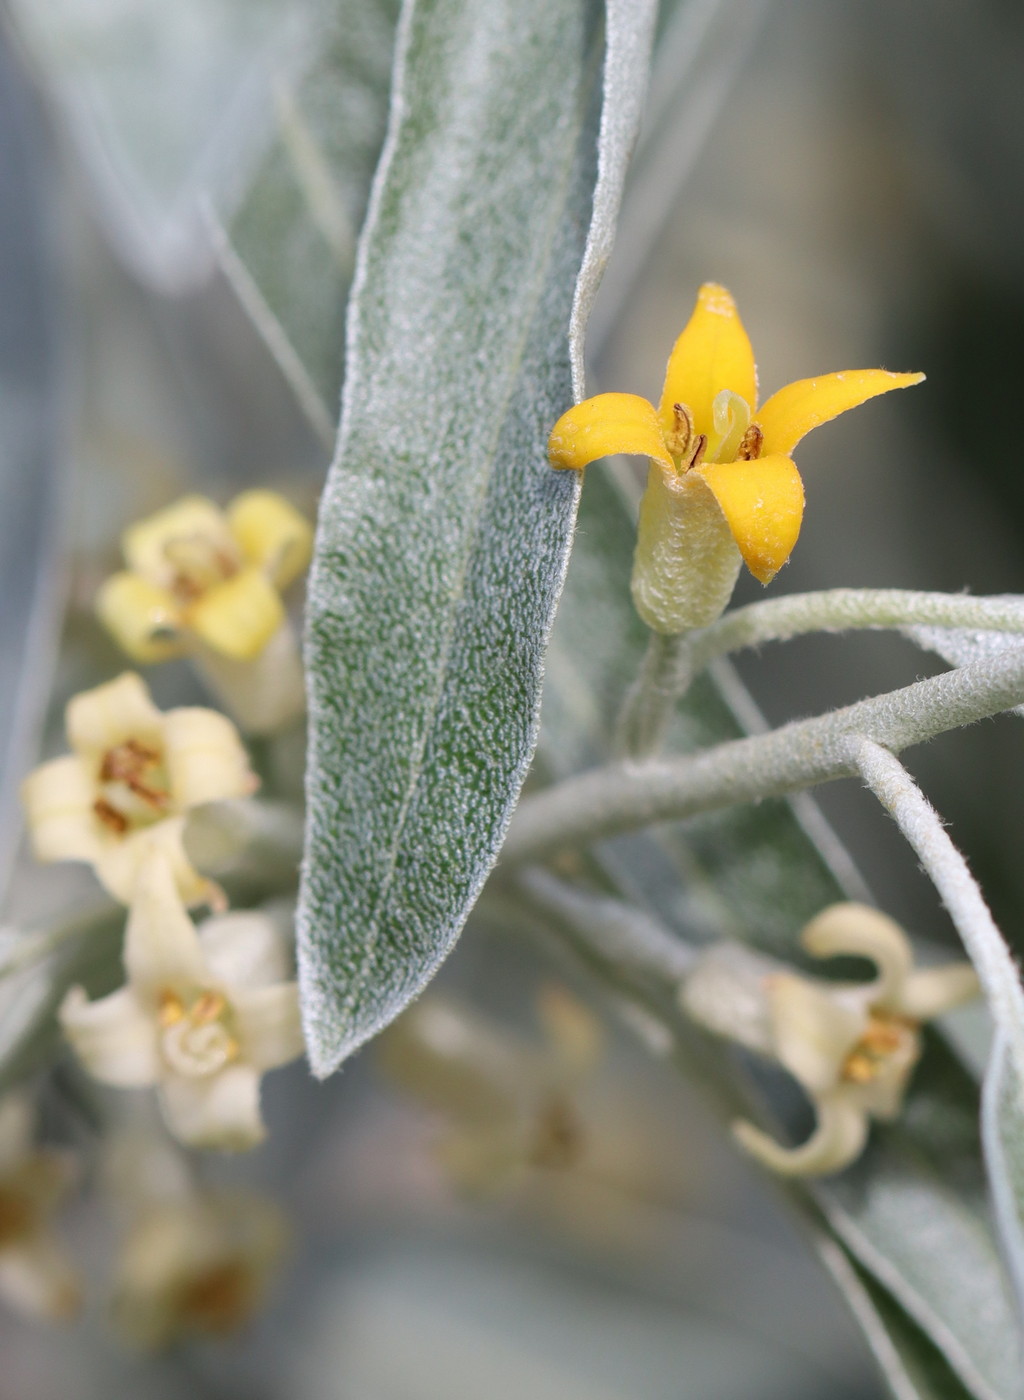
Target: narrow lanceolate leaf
pixel 444 533
pixel 1002 1130
pixel 913 1212
pixel 31 457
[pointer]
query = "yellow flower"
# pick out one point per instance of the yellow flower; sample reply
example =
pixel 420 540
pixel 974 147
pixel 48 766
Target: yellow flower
pixel 208 582
pixel 509 1105
pixel 851 1045
pixel 200 1263
pixel 203 1015
pixel 124 789
pixel 722 487
pixel 35 1277
pixel 194 568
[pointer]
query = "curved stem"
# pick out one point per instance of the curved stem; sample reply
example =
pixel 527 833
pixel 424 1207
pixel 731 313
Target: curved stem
pixel 845 609
pixel 648 706
pixel 625 795
pixel 949 873
pixel 673 662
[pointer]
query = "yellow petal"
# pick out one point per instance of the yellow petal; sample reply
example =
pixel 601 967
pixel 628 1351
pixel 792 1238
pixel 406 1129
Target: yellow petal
pixel 205 759
pixel 161 946
pixel 713 353
pixel 111 714
pixel 763 503
pixel 115 1037
pixel 268 1024
pixel 857 930
pixel 837 1141
pixel 118 863
pixel 58 797
pixel 144 620
pixel 271 534
pixel 221 1112
pixel 604 426
pixel 192 518
pixel 807 403
pixel 238 617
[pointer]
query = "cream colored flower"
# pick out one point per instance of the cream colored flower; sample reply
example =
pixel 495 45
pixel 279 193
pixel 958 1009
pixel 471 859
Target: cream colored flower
pixel 124 789
pixel 198 1263
pixel 35 1277
pixel 508 1104
pixel 852 1046
pixel 204 1014
pixel 208 582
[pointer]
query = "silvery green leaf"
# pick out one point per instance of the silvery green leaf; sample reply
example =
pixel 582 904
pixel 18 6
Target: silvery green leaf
pixel 87 952
pixel 443 532
pixel 913 1212
pixel 166 106
pixel 32 477
pixel 1002 1127
pixel 294 232
pixel 911 1365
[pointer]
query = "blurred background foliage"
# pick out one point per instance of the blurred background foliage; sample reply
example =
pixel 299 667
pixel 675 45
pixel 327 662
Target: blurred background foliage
pixel 852 173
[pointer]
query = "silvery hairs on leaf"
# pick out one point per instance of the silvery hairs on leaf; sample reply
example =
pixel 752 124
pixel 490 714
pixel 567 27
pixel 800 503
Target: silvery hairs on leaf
pixel 444 534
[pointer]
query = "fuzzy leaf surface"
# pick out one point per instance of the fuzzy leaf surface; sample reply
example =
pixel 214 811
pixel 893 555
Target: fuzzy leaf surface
pixel 443 532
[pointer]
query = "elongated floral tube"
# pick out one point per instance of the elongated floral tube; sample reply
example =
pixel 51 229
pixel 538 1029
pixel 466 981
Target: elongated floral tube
pixel 686 560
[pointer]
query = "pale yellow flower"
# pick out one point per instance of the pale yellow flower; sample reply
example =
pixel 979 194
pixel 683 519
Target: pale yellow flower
pixel 203 1015
pixel 851 1045
pixel 35 1276
pixel 208 582
pixel 131 777
pixel 197 1263
pixel 508 1104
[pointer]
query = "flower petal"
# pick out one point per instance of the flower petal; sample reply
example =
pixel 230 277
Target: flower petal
pixel 37 1280
pixel 812 1029
pixel 58 797
pixel 931 991
pixel 713 353
pixel 268 1024
pixel 837 1141
pixel 145 620
pixel 118 862
pixel 108 715
pixel 161 945
pixel 763 502
pixel 115 1037
pixel 606 425
pixel 860 931
pixel 271 534
pixel 238 617
pixel 221 1111
pixel 265 694
pixel 245 949
pixel 791 413
pixel 206 760
pixel 192 518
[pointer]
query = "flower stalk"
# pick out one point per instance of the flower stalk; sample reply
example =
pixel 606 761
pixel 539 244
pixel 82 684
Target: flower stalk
pixel 673 662
pixel 626 795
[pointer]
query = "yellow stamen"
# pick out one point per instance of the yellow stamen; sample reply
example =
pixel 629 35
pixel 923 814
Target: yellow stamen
pixel 171 1009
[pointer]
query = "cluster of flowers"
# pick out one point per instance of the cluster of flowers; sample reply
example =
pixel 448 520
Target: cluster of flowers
pixel 722 491
pixel 204 1010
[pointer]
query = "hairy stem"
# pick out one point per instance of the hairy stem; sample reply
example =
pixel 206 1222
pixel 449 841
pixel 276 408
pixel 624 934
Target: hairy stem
pixel 673 662
pixel 625 937
pixel 664 677
pixel 949 873
pixel 627 795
